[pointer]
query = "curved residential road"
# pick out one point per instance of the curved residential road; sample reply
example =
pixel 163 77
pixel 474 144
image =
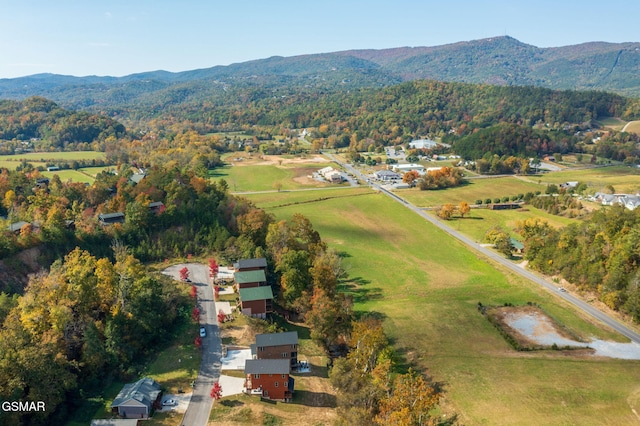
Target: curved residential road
pixel 199 408
pixel 585 307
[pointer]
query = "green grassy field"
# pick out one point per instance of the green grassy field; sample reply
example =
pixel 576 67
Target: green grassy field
pixel 243 178
pixel 479 221
pixel 633 127
pixel 38 159
pixel 623 179
pixel 426 287
pixel 473 190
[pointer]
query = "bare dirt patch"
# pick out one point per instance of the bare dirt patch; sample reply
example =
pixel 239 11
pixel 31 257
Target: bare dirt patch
pixel 531 328
pixel 275 160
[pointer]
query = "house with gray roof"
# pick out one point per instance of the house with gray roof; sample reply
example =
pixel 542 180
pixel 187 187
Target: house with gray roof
pixel 250 264
pixel 136 400
pixel 277 346
pixel 269 378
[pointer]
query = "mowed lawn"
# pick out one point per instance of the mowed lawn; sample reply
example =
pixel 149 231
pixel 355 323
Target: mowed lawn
pixel 426 286
pixel 479 221
pixel 472 190
pixel 242 178
pixel 624 179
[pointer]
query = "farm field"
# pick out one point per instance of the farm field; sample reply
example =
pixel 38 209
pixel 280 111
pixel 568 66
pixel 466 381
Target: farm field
pixel 38 159
pixel 261 173
pixel 426 286
pixel 475 189
pixel 624 179
pixel 84 174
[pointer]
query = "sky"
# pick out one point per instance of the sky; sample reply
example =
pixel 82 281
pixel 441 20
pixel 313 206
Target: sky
pixel 121 37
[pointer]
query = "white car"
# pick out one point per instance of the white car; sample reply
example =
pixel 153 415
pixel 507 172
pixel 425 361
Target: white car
pixel 203 332
pixel 169 403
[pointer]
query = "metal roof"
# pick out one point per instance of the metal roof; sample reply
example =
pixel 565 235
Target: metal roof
pixel 244 277
pixel 277 339
pixel 267 366
pixel 260 262
pixel 256 293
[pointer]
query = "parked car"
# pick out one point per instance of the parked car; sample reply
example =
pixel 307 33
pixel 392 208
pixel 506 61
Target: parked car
pixel 203 332
pixel 169 403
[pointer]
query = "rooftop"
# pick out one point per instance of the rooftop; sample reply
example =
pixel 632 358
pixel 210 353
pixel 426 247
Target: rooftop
pixel 256 293
pixel 244 277
pixel 260 262
pixel 277 339
pixel 267 366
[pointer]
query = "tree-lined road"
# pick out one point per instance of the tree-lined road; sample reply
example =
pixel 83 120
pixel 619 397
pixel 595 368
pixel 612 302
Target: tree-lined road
pixel 197 413
pixel 579 303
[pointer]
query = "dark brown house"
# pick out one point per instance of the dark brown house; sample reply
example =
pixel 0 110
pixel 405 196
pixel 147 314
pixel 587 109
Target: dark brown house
pixel 277 346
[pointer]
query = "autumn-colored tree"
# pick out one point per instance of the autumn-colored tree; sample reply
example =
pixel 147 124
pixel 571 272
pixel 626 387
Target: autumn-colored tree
pixel 195 313
pixel 446 211
pixel 198 342
pixel 184 274
pixel 216 391
pixel 213 268
pixel 221 316
pixel 216 293
pixel 410 402
pixel 367 342
pixel 194 292
pixel 410 177
pixel 464 208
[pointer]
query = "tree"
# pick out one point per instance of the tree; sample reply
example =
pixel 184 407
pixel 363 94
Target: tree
pixel 410 177
pixel 446 211
pixel 464 208
pixel 184 274
pixel 213 269
pixel 216 391
pixel 221 316
pixel 410 402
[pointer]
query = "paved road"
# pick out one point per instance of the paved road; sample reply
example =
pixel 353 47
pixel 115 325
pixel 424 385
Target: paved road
pixel 601 316
pixel 197 413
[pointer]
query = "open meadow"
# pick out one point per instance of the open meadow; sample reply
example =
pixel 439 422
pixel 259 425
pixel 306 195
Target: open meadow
pixel 426 287
pixel 266 173
pixel 472 190
pixel 624 179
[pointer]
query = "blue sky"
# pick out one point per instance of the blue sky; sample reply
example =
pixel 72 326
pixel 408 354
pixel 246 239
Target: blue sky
pixel 116 37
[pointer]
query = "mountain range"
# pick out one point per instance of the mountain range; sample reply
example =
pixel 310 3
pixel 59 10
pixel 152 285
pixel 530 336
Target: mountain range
pixel 613 67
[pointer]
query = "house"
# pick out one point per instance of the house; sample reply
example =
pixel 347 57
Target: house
pixel 156 207
pixel 256 301
pixel 630 202
pixel 569 185
pixel 111 218
pixel 250 264
pixel 403 168
pixel 249 279
pixel 277 346
pixel 387 175
pixel 423 144
pixel 517 245
pixel 269 378
pixel 137 177
pixel 17 226
pixel 53 168
pixel 136 400
pixel 434 169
